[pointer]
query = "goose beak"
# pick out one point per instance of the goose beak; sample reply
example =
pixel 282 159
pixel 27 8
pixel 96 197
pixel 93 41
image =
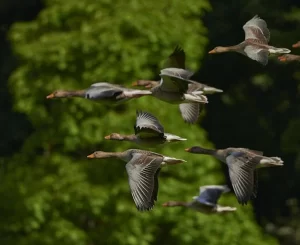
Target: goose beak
pixel 50 96
pixel 165 204
pixel 91 156
pixel 134 84
pixel 282 58
pixel 107 137
pixel 187 149
pixel 212 51
pixel 296 45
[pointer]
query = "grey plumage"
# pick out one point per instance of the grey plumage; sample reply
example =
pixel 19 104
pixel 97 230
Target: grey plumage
pixel 142 168
pixel 242 164
pixel 255 46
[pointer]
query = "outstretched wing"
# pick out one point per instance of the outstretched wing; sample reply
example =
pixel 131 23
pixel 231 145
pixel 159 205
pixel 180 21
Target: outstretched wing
pixel 241 172
pixel 175 79
pixel 210 194
pixel 147 125
pixel 143 179
pixel 190 112
pixel 256 28
pixel 176 59
pixel 258 54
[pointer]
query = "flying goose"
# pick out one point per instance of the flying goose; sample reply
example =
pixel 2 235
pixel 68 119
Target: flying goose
pixel 101 92
pixel 142 168
pixel 148 131
pixel 241 163
pixel 207 200
pixel 255 45
pixel 289 57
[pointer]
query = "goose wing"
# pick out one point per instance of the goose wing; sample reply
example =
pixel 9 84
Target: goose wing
pixel 176 59
pixel 103 91
pixel 255 53
pixel 210 194
pixel 189 112
pixel 174 79
pixel 241 172
pixel 142 173
pixel 257 29
pixel 147 125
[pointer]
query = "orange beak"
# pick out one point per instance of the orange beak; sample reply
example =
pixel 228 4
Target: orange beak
pixel 50 96
pixel 134 84
pixel 107 137
pixel 282 58
pixel 187 149
pixel 296 45
pixel 165 204
pixel 91 156
pixel 212 51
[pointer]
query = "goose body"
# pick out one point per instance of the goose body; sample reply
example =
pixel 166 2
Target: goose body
pixel 207 200
pixel 142 168
pixel 148 131
pixel 289 57
pixel 173 88
pixel 255 46
pixel 241 164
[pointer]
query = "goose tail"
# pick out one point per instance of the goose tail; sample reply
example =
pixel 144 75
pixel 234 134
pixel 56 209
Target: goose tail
pixel 195 98
pixel 274 50
pixel 171 160
pixel 173 138
pixel 212 90
pixel 271 161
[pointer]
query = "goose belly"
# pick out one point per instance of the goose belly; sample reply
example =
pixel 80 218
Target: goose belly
pixel 173 98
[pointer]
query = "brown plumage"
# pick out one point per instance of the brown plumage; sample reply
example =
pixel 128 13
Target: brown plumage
pixel 207 200
pixel 101 92
pixel 289 57
pixel 148 132
pixel 255 45
pixel 241 163
pixel 296 45
pixel 142 168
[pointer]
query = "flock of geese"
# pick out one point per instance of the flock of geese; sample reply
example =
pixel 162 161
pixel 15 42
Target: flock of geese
pixel 176 86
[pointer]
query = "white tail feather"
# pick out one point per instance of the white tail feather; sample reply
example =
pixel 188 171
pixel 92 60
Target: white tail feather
pixel 274 50
pixel 221 209
pixel 172 137
pixel 195 98
pixel 171 160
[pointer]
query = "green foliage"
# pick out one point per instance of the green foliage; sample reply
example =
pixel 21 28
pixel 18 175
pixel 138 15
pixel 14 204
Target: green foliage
pixel 51 194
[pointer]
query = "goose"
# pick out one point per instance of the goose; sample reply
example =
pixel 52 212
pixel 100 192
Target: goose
pixel 207 200
pixel 296 45
pixel 255 45
pixel 241 163
pixel 173 88
pixel 148 131
pixel 289 57
pixel 142 168
pixel 101 92
pixel 177 60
